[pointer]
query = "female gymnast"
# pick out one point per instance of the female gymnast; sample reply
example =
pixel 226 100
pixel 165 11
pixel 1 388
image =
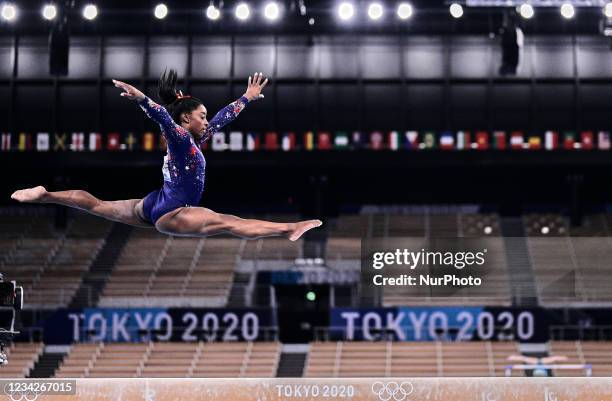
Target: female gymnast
pixel 173 208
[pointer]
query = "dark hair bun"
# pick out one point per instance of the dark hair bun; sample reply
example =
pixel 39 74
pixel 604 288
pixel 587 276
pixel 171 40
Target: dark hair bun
pixel 166 89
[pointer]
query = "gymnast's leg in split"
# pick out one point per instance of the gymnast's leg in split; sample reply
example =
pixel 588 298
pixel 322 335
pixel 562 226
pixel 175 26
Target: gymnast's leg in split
pixel 183 221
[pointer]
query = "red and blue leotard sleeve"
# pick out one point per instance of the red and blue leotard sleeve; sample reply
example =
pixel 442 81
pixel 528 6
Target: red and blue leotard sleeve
pixel 176 136
pixel 225 116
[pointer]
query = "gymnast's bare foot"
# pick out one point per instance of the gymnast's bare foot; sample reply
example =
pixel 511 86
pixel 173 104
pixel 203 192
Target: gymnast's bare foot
pixel 301 227
pixel 33 195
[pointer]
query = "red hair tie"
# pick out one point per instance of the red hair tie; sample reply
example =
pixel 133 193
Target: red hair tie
pixel 180 96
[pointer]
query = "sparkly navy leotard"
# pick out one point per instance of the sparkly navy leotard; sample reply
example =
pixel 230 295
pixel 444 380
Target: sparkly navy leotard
pixel 184 164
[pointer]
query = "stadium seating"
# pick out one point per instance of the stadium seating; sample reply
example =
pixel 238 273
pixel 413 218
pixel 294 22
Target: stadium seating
pixel 22 357
pixel 570 264
pixel 408 359
pixel 158 270
pixel 12 230
pixel 596 353
pixel 325 359
pixel 237 360
pixel 344 248
pixel 48 263
pixel 79 360
pixel 172 360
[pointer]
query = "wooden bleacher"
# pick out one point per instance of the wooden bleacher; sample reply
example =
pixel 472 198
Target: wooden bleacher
pixel 21 359
pixel 407 359
pixel 230 359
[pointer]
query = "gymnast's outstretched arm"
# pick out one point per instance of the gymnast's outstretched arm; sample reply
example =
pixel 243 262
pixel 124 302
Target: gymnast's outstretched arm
pixel 225 116
pixel 175 134
pixel 229 113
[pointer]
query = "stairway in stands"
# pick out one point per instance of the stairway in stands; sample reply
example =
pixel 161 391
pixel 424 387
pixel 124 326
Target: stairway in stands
pixel 292 360
pixel 520 272
pixel 237 296
pixel 95 279
pixel 46 365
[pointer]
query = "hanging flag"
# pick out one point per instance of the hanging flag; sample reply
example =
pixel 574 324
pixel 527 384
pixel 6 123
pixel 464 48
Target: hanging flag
pixel 411 140
pixel 218 142
pixel 309 140
pixel 148 141
pixel 131 142
pixel 324 140
pixel 588 140
pixel 499 140
pixel 95 141
pixel 288 141
pixel 551 140
pixel 6 141
pixel 357 140
pixel 569 140
pixel 25 142
pixel 236 141
pixel 271 141
pixel 394 140
pixel 77 141
pixel 341 140
pixel 113 141
pixel 60 142
pixel 42 142
pixel 21 142
pixel 376 140
pixel 252 141
pixel 447 140
pixel 464 140
pixel 517 139
pixel 535 142
pixel 429 140
pixel 482 140
pixel 603 142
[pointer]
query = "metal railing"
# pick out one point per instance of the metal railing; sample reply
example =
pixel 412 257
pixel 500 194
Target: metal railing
pixel 582 333
pixel 63 297
pixel 267 333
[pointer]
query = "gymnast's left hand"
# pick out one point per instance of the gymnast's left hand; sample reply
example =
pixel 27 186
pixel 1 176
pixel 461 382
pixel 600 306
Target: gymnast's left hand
pixel 129 91
pixel 255 86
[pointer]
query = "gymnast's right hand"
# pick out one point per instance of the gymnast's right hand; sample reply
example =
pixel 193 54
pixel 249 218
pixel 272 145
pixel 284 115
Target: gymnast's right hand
pixel 129 91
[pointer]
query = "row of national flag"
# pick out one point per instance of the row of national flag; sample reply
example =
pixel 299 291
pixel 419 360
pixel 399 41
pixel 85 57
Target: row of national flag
pixel 322 140
pixel 76 141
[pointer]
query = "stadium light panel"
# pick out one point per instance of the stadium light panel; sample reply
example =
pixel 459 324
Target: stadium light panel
pixel 456 10
pixel 346 11
pixel 404 11
pixel 375 11
pixel 242 11
pixel 526 11
pixel 567 11
pixel 49 12
pixel 8 12
pixel 213 13
pixel 272 11
pixel 161 11
pixel 90 12
pixel 607 10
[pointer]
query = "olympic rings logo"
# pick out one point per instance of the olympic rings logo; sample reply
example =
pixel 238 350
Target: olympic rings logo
pixel 21 395
pixel 392 390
